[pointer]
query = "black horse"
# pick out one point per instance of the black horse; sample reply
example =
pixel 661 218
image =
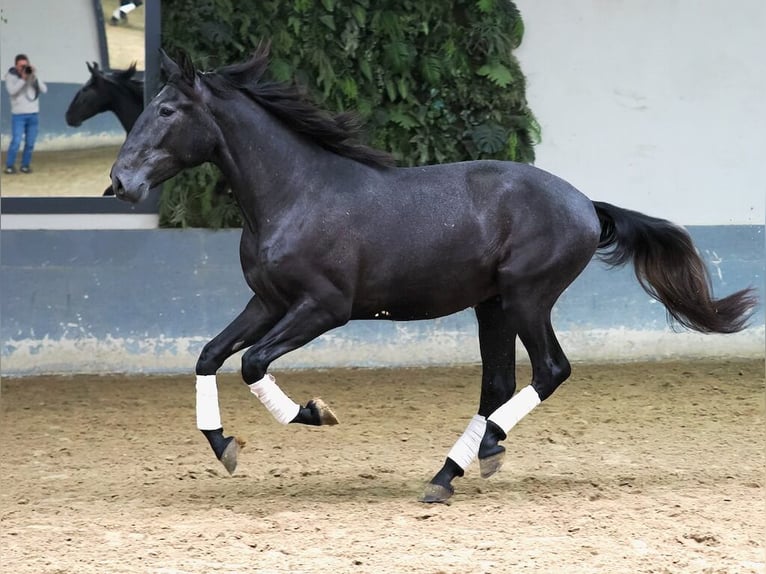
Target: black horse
pixel 118 92
pixel 333 232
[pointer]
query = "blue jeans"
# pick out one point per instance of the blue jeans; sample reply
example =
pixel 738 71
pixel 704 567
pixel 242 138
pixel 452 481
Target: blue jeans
pixel 22 125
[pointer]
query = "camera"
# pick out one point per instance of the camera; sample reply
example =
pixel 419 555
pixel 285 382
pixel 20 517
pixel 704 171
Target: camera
pixel 27 69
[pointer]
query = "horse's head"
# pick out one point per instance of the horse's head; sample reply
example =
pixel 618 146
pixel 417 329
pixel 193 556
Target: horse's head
pixel 90 99
pixel 174 132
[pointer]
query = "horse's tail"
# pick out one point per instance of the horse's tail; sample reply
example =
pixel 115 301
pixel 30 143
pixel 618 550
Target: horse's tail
pixel 669 268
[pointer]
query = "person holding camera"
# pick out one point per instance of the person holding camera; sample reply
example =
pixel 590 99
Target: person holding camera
pixel 24 89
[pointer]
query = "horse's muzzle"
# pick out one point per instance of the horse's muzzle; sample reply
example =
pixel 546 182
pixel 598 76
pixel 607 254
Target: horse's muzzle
pixel 71 121
pixel 119 190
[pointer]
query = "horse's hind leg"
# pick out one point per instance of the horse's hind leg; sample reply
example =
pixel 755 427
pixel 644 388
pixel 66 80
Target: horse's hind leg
pixel 550 368
pixel 497 342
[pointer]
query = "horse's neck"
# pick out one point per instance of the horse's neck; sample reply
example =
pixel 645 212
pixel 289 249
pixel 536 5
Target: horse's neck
pixel 126 106
pixel 267 164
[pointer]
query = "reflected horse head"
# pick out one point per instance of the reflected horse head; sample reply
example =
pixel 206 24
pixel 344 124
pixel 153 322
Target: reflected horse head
pixel 117 91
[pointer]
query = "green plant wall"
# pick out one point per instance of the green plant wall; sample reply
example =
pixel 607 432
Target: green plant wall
pixel 435 81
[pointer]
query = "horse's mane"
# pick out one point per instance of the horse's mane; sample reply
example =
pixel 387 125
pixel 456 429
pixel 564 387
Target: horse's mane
pixel 125 79
pixel 339 133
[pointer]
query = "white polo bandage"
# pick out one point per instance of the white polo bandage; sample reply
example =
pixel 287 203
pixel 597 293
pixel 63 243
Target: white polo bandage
pixel 274 399
pixel 125 9
pixel 467 446
pixel 520 405
pixel 208 414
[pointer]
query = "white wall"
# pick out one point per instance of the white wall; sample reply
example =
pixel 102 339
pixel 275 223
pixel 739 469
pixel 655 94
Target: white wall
pixel 654 105
pixel 59 37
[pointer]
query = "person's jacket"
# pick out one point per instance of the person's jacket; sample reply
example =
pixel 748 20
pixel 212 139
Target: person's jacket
pixel 24 94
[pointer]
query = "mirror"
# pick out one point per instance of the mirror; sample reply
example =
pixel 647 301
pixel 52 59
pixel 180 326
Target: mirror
pixel 72 160
pixel 125 27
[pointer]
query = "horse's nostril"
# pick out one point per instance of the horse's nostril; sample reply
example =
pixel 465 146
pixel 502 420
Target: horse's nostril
pixel 117 187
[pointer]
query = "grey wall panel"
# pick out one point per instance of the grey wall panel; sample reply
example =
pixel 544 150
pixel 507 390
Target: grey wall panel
pixel 148 300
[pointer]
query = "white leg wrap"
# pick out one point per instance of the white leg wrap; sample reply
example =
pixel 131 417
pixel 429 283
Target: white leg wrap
pixel 123 10
pixel 274 399
pixel 467 446
pixel 520 405
pixel 208 414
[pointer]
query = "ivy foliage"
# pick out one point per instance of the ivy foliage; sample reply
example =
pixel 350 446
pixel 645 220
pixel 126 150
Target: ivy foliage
pixel 435 81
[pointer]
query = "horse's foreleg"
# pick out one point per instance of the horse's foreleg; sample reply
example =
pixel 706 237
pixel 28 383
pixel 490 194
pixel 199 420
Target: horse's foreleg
pixel 550 368
pixel 300 325
pixel 285 410
pixel 497 342
pixel 241 333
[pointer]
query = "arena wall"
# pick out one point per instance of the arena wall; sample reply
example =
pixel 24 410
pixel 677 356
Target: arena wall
pixel 147 301
pixel 654 105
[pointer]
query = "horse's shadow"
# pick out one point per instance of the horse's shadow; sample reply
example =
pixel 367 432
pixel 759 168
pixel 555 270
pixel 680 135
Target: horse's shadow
pixel 255 494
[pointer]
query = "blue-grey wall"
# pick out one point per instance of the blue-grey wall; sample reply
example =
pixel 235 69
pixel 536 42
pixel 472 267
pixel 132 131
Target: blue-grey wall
pixel 148 300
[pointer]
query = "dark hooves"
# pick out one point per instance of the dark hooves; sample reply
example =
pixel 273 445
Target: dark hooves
pixel 230 453
pixel 323 410
pixel 436 493
pixel 490 464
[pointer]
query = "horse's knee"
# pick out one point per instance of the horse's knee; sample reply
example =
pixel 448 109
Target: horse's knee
pixel 208 362
pixel 253 367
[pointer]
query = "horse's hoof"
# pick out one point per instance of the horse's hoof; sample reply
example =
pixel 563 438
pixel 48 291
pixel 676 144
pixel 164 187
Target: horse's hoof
pixel 436 493
pixel 230 453
pixel 326 416
pixel 491 464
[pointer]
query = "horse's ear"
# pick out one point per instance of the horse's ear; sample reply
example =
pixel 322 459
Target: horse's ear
pixel 187 67
pixel 92 68
pixel 167 65
pixel 182 66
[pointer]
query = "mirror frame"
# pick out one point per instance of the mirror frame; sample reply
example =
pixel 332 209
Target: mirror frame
pixel 96 212
pixel 103 46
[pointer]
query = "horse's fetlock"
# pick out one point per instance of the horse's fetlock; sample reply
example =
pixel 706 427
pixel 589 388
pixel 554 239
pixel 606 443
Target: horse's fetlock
pixel 307 415
pixel 217 441
pixel 315 413
pixel 489 445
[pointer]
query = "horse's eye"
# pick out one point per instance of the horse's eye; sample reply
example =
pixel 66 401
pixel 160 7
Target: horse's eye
pixel 166 111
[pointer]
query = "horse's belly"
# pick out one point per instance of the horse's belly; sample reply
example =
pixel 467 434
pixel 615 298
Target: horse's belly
pixel 409 298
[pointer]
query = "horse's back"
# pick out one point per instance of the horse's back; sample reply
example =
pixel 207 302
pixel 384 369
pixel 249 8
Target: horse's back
pixel 486 180
pixel 552 201
pixel 512 198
